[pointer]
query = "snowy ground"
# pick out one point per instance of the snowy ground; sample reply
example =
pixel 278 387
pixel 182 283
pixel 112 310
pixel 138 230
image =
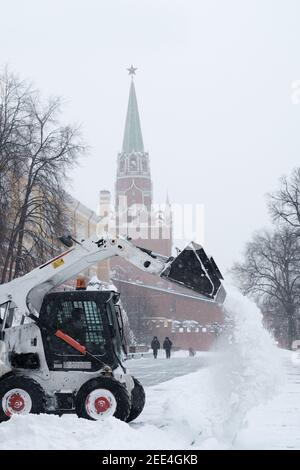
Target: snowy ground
pixel 245 395
pixel 276 425
pixel 180 414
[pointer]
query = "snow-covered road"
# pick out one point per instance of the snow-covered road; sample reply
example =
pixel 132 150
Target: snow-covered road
pixel 152 371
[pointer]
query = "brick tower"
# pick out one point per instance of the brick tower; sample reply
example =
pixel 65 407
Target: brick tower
pixel 148 227
pixel 153 306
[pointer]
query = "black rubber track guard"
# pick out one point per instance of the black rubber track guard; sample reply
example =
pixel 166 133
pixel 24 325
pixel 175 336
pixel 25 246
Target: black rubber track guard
pixel 138 399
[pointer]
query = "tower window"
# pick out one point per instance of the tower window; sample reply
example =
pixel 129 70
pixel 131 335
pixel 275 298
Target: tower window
pixel 122 164
pixel 144 165
pixel 133 164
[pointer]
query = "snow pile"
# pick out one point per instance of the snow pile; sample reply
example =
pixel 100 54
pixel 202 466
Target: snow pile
pixel 170 421
pixel 248 371
pixel 49 432
pixel 209 408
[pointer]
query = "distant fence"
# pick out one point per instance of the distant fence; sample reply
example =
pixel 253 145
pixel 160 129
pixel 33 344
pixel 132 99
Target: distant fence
pixel 137 352
pixel 138 355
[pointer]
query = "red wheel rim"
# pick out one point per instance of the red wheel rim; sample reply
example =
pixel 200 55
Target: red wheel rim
pixel 16 402
pixel 102 404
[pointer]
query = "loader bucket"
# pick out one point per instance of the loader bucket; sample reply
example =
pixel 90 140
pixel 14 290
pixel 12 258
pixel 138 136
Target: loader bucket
pixel 193 269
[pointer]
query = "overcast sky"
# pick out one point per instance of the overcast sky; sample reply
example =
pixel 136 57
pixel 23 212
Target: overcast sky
pixel 214 91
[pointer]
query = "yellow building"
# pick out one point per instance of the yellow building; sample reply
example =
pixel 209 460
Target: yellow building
pixel 85 223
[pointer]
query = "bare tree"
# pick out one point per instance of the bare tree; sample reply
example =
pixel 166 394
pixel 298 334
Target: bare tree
pixel 34 165
pixel 271 272
pixel 275 319
pixel 14 96
pixel 284 204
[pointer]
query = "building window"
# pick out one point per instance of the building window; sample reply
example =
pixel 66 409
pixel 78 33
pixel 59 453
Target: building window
pixel 133 164
pixel 144 165
pixel 122 164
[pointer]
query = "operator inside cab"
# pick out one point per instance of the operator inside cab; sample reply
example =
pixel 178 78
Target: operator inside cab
pixel 75 326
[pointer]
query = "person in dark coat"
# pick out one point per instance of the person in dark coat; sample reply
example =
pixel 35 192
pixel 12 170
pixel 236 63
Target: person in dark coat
pixel 155 345
pixel 167 345
pixel 75 326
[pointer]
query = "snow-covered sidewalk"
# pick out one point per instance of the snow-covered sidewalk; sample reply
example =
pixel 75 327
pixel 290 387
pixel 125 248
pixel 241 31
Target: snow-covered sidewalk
pixel 276 425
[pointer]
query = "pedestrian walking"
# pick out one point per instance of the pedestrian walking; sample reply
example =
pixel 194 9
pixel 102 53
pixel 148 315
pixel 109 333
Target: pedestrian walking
pixel 167 345
pixel 155 345
pixel 192 353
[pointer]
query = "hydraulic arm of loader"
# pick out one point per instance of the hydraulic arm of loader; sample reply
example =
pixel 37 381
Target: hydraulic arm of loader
pixel 191 268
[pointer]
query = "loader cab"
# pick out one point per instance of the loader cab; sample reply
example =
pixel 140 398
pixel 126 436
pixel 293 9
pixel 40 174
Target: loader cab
pixel 93 319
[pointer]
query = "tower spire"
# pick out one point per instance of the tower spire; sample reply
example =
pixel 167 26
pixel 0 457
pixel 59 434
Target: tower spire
pixel 133 140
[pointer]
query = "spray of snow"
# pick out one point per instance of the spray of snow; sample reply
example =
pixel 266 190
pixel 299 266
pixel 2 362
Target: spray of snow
pixel 208 409
pixel 248 370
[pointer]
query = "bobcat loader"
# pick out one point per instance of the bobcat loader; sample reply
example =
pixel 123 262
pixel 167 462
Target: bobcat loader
pixel 61 352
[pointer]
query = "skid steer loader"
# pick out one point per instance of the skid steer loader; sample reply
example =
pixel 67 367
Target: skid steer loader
pixel 61 352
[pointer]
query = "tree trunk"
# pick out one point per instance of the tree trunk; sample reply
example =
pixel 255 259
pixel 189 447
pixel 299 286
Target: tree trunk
pixel 292 325
pixel 8 258
pixel 22 221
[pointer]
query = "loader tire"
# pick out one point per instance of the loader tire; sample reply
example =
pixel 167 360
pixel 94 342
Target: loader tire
pixel 138 399
pixel 102 397
pixel 20 395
